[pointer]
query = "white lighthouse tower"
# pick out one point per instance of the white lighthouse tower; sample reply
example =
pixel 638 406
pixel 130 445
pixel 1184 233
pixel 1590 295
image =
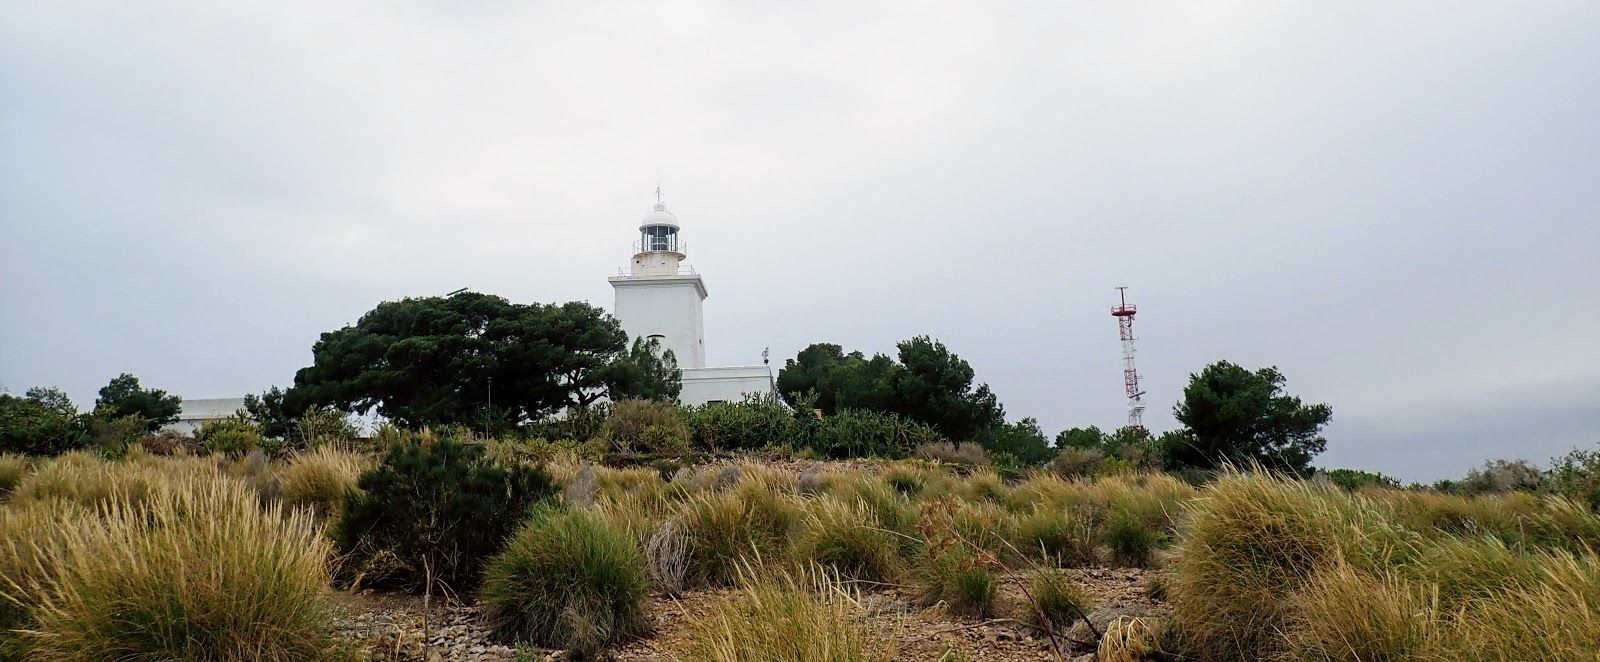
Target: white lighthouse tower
pixel 659 298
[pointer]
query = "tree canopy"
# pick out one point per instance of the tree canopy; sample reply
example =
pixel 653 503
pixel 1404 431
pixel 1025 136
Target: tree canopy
pixel 928 383
pixel 42 422
pixel 123 397
pixel 1231 414
pixel 477 359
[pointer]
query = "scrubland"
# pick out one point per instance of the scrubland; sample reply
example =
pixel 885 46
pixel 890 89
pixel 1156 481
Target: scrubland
pixel 772 557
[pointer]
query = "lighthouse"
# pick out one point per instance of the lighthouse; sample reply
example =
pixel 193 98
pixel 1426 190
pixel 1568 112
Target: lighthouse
pixel 660 298
pixel 657 296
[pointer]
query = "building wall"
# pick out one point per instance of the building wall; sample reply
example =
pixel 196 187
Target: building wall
pixel 731 384
pixel 669 307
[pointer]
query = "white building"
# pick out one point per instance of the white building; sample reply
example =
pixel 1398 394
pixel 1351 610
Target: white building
pixel 194 413
pixel 658 297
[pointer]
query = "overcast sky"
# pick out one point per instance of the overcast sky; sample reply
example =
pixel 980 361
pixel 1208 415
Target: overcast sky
pixel 1397 204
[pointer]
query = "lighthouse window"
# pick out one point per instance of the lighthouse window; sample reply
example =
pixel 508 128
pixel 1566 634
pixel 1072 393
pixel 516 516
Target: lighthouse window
pixel 659 238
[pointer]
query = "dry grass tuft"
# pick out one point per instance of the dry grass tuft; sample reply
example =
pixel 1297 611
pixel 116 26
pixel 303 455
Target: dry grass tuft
pixel 782 618
pixel 196 569
pixel 13 468
pixel 320 478
pixel 849 539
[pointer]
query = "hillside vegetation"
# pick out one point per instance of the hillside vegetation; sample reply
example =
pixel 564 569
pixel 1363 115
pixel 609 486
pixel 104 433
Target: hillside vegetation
pixel 242 557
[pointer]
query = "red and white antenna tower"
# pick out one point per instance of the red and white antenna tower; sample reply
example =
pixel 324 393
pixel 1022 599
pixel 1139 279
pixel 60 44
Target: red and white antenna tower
pixel 1124 313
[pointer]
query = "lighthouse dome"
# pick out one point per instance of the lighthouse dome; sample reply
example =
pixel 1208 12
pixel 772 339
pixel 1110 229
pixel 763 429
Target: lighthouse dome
pixel 659 216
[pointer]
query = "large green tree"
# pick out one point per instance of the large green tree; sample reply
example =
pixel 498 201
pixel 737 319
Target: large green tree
pixel 42 422
pixel 124 397
pixel 644 372
pixel 1231 414
pixel 472 359
pixel 928 383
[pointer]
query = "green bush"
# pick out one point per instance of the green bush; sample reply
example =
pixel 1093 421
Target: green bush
pixel 646 426
pixel 860 433
pixel 44 423
pixel 568 580
pixel 1130 538
pixel 1576 475
pixel 112 437
pixel 1355 479
pixel 750 425
pixel 1057 601
pixel 438 507
pixel 1058 536
pixel 233 436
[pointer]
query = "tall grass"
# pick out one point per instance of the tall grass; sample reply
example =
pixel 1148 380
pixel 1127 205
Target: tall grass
pixel 196 569
pixel 850 539
pixel 809 615
pixel 13 468
pixel 321 479
pixel 1278 569
pixel 1252 542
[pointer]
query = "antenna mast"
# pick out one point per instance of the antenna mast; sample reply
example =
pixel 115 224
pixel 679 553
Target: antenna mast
pixel 1124 313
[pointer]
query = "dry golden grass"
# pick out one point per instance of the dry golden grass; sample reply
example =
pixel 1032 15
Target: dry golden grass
pixel 193 569
pixel 320 479
pixel 808 615
pixel 13 468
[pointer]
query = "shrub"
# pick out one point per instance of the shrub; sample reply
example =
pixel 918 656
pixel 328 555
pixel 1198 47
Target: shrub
pixel 567 580
pixel 436 509
pixel 1576 475
pixel 849 539
pixel 233 436
pixel 112 437
pixel 13 468
pixel 319 426
pixel 960 577
pixel 860 433
pixel 1130 539
pixel 1496 476
pixel 1057 601
pixel 1022 440
pixel 944 451
pixel 646 426
pixel 782 619
pixel 199 570
pixel 750 425
pixel 1355 479
pixel 321 479
pixel 45 422
pixel 1076 462
pixel 168 442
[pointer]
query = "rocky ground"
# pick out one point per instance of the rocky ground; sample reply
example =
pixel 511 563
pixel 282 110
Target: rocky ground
pixel 392 627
